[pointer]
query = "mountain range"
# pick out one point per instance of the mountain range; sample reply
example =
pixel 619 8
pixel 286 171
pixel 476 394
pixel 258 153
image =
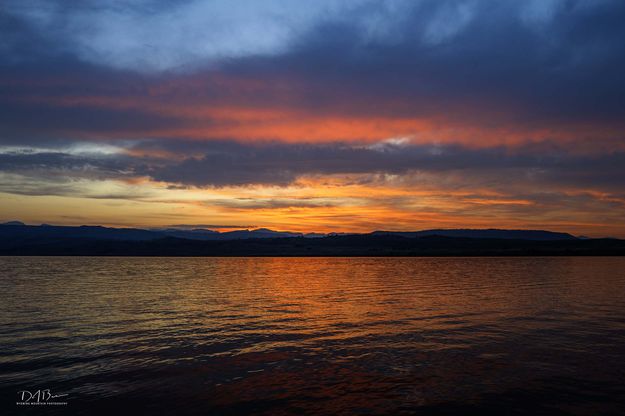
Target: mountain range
pixel 19 230
pixel 17 238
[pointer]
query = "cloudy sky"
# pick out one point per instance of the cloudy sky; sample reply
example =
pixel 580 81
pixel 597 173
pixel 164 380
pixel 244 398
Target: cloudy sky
pixel 320 115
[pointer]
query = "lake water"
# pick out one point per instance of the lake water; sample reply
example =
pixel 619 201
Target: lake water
pixel 274 336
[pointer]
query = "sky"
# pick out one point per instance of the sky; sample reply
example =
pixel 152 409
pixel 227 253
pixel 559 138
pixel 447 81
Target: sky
pixel 320 115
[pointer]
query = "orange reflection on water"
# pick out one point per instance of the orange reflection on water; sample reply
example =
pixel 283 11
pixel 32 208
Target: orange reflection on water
pixel 330 335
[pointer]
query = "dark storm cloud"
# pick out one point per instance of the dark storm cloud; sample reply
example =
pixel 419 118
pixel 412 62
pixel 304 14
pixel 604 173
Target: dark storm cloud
pixel 559 64
pixel 20 122
pixel 536 69
pixel 480 62
pixel 46 163
pixel 272 203
pixel 483 61
pixel 227 163
pixel 236 164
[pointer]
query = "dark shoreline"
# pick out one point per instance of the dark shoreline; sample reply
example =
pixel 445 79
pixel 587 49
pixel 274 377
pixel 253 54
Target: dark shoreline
pixel 336 246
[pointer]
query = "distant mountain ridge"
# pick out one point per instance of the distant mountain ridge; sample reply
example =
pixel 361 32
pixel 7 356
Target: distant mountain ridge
pixel 17 239
pixel 534 235
pixel 17 230
pixel 368 245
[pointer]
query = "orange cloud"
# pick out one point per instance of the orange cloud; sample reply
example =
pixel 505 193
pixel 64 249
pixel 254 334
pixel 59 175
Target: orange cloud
pixel 198 119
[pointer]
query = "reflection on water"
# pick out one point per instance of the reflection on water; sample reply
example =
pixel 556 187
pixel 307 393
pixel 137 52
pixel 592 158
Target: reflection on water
pixel 315 335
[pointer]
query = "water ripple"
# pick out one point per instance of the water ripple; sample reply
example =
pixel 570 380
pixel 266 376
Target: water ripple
pixel 316 335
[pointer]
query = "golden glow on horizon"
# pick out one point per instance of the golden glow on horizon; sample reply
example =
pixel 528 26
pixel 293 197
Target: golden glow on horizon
pixel 383 128
pixel 321 203
pixel 313 204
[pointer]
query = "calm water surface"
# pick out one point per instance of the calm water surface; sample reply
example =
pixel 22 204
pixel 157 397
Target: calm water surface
pixel 222 336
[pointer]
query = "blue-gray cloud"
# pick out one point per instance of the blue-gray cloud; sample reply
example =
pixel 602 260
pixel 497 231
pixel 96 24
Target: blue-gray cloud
pixel 225 163
pixel 541 63
pixel 152 35
pixel 536 63
pixel 149 35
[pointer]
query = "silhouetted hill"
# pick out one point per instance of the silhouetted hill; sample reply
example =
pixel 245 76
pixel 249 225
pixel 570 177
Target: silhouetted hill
pixel 537 235
pixel 13 223
pixel 204 234
pixel 17 231
pixel 195 234
pixel 95 241
pixel 259 233
pixel 43 233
